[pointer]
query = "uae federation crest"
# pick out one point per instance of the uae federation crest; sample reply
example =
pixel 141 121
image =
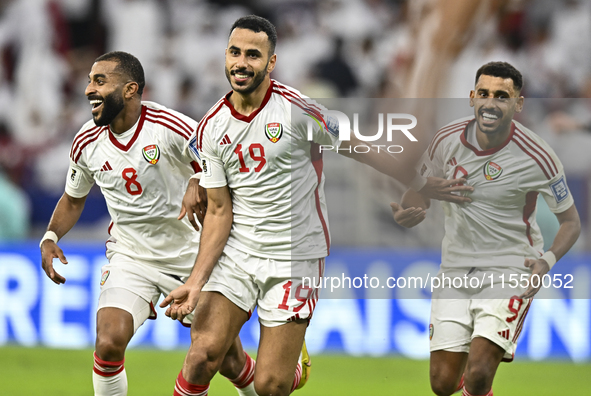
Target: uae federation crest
pixel 492 171
pixel 151 154
pixel 273 131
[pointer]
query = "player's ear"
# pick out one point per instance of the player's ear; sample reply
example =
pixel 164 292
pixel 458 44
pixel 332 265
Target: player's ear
pixel 130 89
pixel 519 104
pixel 472 94
pixel 272 63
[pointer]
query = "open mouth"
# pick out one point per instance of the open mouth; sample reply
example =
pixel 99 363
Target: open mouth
pixel 241 76
pixel 489 117
pixel 96 105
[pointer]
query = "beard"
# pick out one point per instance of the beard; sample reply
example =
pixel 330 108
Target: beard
pixel 112 106
pixel 258 78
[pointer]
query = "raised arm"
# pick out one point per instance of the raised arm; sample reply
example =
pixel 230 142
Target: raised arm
pixel 567 235
pixel 66 214
pixel 216 230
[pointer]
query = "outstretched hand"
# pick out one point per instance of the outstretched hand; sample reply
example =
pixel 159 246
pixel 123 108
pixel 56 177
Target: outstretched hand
pixel 194 204
pixel 539 268
pixel 408 217
pixel 49 251
pixel 182 301
pixel 446 190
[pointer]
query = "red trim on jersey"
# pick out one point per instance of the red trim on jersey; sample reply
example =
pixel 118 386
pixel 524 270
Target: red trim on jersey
pixel 545 156
pixel 285 91
pixel 90 137
pixel 81 136
pixel 175 130
pixel 440 138
pixel 252 115
pixel 528 209
pixel 196 167
pixel 526 136
pixel 173 118
pixel 489 151
pixel 316 156
pixel 439 135
pixel 136 134
pixel 180 129
pixel 203 123
pixel 532 157
pixel 86 143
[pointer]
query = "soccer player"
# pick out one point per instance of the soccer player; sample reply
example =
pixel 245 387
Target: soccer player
pixel 134 151
pixel 266 223
pixel 508 165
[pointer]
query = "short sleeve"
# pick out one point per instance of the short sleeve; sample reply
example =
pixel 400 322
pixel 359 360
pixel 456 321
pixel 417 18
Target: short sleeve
pixel 431 163
pixel 213 171
pixel 316 124
pixel 79 181
pixel 557 194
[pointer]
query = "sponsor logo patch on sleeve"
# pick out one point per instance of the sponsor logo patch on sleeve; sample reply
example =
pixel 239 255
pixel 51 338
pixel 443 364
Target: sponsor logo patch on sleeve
pixel 559 190
pixel 332 125
pixel 205 166
pixel 74 178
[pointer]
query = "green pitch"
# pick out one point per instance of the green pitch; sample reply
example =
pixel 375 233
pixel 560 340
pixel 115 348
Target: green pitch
pixel 47 372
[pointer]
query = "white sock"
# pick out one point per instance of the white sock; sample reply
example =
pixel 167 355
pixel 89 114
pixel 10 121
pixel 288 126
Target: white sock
pixel 109 378
pixel 248 390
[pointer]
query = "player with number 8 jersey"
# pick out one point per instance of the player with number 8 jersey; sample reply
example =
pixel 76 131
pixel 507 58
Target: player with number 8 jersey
pixel 137 171
pixel 134 151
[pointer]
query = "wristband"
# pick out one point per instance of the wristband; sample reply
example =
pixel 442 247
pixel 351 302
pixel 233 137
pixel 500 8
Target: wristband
pixel 196 176
pixel 550 258
pixel 49 235
pixel 418 182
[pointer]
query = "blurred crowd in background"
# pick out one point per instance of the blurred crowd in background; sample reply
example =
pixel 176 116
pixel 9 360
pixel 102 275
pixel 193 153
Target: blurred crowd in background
pixel 326 48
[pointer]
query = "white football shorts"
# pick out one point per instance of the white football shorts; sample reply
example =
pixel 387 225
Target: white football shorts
pixel 135 288
pixel 275 286
pixel 455 322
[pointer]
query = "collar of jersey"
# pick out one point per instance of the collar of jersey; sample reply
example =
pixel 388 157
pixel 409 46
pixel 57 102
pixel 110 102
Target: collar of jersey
pixel 490 150
pixel 252 115
pixel 126 147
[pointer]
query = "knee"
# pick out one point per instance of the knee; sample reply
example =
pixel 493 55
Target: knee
pixel 271 384
pixel 202 363
pixel 443 385
pixel 110 348
pixel 479 377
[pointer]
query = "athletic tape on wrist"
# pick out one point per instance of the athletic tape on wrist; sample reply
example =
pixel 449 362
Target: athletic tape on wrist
pixel 418 182
pixel 550 258
pixel 196 176
pixel 49 235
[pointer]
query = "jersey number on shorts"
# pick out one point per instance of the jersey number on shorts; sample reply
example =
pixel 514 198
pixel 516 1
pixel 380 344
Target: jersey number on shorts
pixel 132 185
pixel 513 309
pixel 298 292
pixel 260 157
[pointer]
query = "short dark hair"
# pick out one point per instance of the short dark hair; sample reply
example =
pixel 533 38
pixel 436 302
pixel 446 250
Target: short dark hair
pixel 258 24
pixel 502 70
pixel 129 65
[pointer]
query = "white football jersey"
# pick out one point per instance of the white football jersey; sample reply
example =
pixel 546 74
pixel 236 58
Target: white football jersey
pixel 273 171
pixel 498 228
pixel 143 174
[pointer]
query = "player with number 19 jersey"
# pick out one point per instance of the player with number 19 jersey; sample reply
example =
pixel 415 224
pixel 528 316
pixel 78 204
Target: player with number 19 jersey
pixel 143 174
pixel 273 171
